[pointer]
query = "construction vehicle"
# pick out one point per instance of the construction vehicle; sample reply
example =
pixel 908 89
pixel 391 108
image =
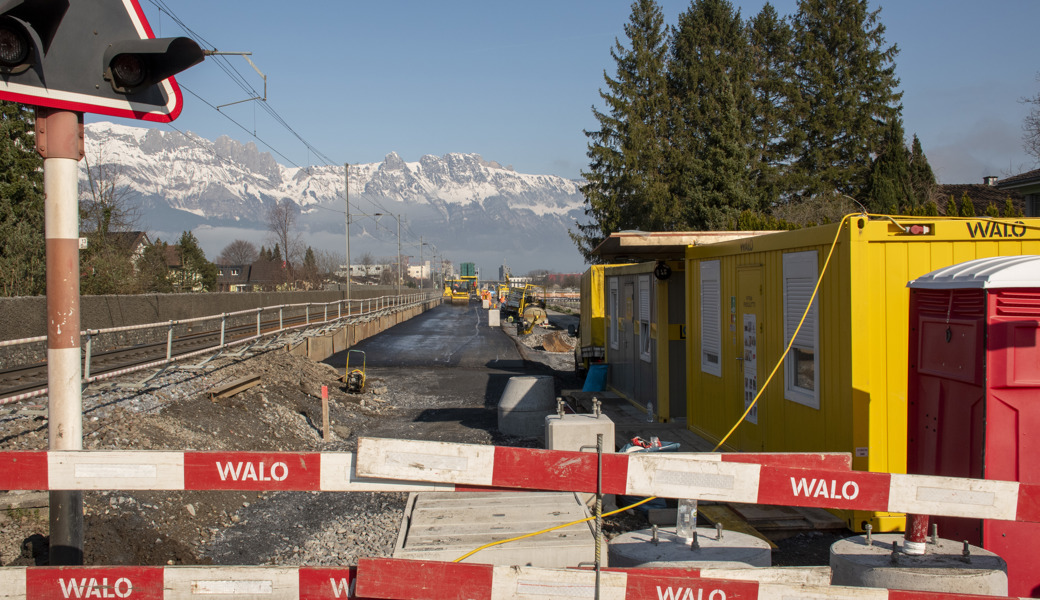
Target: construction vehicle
pixel 355 378
pixel 457 291
pixel 468 274
pixel 526 305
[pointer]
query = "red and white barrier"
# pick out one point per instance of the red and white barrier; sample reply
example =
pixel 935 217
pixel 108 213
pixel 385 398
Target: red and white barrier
pixel 306 471
pixel 405 465
pixel 675 475
pixel 158 470
pixel 394 579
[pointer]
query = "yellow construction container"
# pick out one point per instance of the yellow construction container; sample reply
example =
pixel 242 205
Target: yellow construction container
pixel 591 324
pixel 843 386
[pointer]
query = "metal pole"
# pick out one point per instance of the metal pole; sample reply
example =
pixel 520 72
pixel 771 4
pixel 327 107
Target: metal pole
pixel 421 278
pixel 346 196
pixel 400 265
pixel 59 140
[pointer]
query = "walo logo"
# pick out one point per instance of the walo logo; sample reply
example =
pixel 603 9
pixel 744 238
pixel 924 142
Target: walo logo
pixel 995 229
pixel 84 588
pixel 245 471
pixel 817 488
pixel 670 593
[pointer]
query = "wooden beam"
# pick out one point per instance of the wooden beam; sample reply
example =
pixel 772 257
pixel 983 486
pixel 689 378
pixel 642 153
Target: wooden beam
pixel 236 386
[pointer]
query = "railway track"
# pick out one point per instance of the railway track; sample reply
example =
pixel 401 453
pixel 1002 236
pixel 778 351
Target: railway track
pixel 28 378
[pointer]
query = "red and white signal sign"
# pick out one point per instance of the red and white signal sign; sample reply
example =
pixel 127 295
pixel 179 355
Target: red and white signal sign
pixel 99 57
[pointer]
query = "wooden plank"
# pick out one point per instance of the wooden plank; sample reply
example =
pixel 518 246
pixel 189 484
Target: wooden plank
pixel 731 521
pixel 236 386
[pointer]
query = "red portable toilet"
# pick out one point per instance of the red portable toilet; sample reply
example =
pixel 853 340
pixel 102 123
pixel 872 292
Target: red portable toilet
pixel 974 394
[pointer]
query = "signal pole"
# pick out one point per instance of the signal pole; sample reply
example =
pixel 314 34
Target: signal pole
pixel 346 197
pixel 59 140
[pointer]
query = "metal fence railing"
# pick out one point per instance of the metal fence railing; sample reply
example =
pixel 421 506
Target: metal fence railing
pixel 245 328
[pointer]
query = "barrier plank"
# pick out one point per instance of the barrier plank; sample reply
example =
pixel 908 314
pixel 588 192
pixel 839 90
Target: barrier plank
pixel 401 579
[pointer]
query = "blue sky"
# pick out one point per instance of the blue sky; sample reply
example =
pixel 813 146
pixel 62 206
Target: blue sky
pixel 515 82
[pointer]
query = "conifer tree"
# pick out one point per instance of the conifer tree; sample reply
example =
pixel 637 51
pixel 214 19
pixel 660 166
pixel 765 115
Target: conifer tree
pixel 196 271
pixel 626 184
pixel 967 208
pixel 776 99
pixel 992 211
pixel 889 183
pixel 23 258
pixel 1010 211
pixel 922 179
pixel 951 207
pixel 847 77
pixel 710 80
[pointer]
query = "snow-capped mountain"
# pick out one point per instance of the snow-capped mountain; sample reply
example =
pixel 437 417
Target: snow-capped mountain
pixel 469 208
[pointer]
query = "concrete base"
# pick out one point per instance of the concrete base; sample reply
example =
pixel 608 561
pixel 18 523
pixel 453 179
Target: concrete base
pixel 941 569
pixel 735 550
pixel 525 403
pixel 572 432
pixel 443 526
pixel 494 318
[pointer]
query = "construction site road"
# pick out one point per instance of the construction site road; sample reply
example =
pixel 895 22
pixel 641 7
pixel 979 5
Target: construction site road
pixel 436 377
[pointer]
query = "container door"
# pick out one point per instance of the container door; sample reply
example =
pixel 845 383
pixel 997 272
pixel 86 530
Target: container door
pixel 627 339
pixel 749 327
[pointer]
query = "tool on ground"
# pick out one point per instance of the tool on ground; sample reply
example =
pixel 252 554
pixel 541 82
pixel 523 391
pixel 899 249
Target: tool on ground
pixel 355 378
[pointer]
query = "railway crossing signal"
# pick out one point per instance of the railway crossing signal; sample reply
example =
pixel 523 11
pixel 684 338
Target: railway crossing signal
pixel 98 57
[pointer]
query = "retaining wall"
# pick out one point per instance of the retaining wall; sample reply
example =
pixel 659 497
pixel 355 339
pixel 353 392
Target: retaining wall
pixel 320 347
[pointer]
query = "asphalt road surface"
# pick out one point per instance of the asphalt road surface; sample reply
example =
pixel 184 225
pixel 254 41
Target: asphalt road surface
pixel 446 370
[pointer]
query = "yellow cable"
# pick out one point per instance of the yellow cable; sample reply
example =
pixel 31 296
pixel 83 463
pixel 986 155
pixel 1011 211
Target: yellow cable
pixel 527 535
pixel 794 335
pixel 754 401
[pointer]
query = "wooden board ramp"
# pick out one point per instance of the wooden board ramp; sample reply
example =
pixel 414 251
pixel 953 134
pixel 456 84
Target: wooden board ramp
pixel 234 387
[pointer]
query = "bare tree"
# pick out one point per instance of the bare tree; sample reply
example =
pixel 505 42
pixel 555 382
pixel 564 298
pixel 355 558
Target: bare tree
pixel 281 222
pixel 109 207
pixel 238 252
pixel 110 219
pixel 1031 126
pixel 328 262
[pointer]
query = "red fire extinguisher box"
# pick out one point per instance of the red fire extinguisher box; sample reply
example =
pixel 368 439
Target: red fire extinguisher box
pixel 973 397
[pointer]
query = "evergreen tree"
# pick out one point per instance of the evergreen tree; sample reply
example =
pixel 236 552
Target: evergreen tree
pixel 265 254
pixel 710 80
pixel 889 187
pixel 776 98
pixel 276 254
pixel 1009 209
pixel 153 274
pixel 23 259
pixel 930 209
pixel 196 271
pixel 951 207
pixel 847 77
pixel 967 206
pixel 992 211
pixel 626 185
pixel 922 179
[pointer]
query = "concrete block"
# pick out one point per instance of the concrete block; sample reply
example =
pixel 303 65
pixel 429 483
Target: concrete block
pixel 494 318
pixel 525 402
pixel 942 568
pixel 571 432
pixel 734 550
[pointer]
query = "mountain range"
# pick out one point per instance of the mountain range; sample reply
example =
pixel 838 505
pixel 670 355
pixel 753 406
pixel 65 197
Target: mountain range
pixel 468 208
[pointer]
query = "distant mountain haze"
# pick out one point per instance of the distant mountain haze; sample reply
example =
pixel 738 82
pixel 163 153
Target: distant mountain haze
pixel 470 209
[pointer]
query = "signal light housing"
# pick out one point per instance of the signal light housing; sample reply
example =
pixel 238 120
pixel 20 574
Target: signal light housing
pixel 133 65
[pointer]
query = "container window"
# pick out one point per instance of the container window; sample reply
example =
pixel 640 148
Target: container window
pixel 644 318
pixel 801 367
pixel 612 314
pixel 711 318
